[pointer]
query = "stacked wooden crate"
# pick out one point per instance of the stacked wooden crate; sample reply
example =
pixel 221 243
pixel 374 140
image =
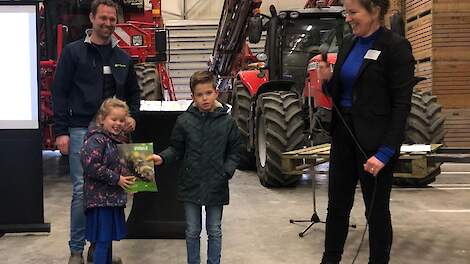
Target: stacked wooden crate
pixel 439 32
pixel 396 5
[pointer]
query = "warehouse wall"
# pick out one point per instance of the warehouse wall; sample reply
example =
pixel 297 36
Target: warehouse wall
pixel 194 9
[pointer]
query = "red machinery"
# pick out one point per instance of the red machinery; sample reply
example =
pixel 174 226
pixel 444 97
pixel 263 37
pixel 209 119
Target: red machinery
pixel 272 103
pixel 231 52
pixel 142 35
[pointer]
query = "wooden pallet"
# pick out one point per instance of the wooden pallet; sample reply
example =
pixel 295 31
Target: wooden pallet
pixel 419 33
pixel 296 161
pixel 415 165
pixel 412 165
pixel 414 8
pixel 424 69
pixel 451 83
pixel 450 36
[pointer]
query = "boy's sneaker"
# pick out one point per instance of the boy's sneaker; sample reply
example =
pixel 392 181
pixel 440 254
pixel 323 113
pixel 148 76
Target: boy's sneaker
pixel 89 257
pixel 76 258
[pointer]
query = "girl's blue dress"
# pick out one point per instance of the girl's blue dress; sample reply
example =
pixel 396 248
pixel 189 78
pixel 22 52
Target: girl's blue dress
pixel 105 224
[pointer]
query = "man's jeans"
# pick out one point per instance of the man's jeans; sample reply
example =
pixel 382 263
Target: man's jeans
pixel 77 214
pixel 193 230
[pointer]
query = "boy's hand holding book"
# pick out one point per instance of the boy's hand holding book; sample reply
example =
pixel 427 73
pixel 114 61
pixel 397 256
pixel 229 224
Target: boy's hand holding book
pixel 156 159
pixel 126 181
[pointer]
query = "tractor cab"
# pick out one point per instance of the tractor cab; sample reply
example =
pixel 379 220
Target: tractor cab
pixel 294 37
pixel 305 36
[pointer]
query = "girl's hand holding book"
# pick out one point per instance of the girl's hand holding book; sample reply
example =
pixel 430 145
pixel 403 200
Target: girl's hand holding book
pixel 126 181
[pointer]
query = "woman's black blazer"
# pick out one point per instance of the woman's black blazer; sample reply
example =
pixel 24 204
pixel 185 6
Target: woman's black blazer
pixel 381 92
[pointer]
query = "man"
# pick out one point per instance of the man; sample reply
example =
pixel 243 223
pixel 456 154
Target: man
pixel 89 71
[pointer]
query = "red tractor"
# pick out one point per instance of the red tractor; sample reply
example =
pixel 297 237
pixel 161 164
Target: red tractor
pixel 270 102
pixel 140 32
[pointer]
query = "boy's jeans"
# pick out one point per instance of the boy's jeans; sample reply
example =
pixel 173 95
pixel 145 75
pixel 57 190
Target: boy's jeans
pixel 77 214
pixel 193 230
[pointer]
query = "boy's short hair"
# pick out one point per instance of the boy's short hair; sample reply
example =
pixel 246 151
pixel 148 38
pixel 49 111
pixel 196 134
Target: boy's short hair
pixel 96 3
pixel 201 77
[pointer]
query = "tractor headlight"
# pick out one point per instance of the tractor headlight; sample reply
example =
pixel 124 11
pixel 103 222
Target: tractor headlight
pixel 294 15
pixel 282 15
pixel 261 57
pixel 137 40
pixel 312 66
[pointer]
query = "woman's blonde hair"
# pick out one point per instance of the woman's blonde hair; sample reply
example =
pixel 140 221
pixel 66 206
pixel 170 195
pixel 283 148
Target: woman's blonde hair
pixel 107 106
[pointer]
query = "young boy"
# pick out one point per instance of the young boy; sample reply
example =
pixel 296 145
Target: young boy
pixel 206 139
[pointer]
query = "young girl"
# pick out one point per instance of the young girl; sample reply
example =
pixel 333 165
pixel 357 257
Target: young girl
pixel 105 197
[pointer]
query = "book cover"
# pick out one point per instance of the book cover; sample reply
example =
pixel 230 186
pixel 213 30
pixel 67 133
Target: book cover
pixel 134 160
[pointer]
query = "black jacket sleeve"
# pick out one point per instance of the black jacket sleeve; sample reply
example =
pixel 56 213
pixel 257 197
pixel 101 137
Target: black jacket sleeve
pixel 232 157
pixel 177 144
pixel 132 92
pixel 401 79
pixel 61 87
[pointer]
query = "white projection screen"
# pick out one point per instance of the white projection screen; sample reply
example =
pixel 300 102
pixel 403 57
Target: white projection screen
pixel 18 67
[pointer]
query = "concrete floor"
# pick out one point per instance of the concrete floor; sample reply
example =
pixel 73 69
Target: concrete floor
pixel 431 225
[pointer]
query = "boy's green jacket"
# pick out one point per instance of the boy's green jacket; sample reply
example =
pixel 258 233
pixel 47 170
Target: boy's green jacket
pixel 208 145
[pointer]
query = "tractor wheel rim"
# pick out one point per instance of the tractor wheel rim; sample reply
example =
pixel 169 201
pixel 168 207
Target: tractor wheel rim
pixel 261 144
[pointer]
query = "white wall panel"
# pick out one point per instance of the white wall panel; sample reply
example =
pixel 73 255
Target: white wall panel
pixel 192 9
pixel 211 9
pixel 170 8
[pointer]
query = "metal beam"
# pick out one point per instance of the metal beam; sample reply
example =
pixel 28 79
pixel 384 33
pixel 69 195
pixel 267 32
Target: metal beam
pixel 455 158
pixel 454 150
pixel 173 14
pixel 191 8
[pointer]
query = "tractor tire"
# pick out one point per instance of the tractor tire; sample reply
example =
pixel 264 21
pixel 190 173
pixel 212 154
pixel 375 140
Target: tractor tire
pixel 241 105
pixel 279 128
pixel 149 81
pixel 425 123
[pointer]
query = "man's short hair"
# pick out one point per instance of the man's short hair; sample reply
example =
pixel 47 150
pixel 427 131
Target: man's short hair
pixel 96 3
pixel 201 77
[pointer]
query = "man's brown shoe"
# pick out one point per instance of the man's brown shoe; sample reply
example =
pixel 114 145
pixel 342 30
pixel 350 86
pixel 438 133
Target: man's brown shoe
pixel 76 258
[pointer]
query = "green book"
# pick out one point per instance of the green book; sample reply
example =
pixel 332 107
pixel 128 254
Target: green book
pixel 134 157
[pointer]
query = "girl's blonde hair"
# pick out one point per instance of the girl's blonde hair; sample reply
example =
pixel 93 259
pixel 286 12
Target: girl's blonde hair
pixel 107 106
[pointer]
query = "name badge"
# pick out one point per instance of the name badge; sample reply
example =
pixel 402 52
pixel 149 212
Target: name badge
pixel 106 70
pixel 372 54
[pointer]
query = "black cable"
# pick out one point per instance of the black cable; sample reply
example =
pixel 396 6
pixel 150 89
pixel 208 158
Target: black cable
pixel 372 199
